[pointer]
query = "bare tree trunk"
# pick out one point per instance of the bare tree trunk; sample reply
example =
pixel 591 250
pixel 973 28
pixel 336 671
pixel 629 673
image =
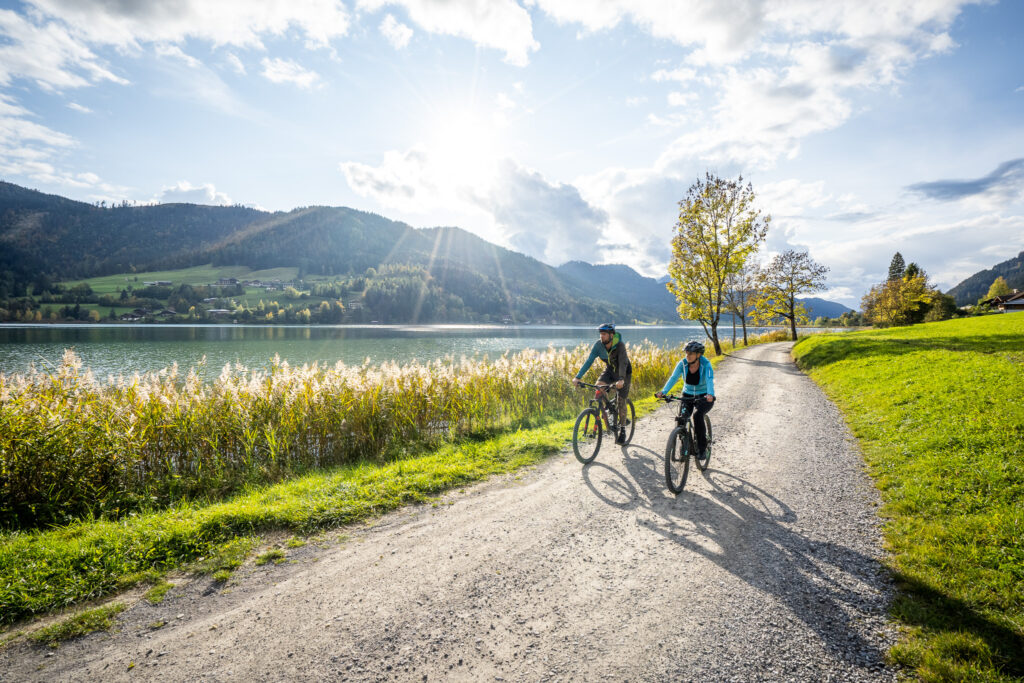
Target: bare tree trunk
pixel 744 321
pixel 792 326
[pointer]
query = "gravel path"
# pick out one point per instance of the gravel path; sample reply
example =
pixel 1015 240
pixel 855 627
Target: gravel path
pixel 766 568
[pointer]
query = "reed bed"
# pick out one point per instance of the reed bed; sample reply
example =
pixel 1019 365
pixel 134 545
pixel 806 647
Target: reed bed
pixel 73 446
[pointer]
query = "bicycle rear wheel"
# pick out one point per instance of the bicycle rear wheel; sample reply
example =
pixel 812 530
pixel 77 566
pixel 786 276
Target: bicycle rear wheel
pixel 702 463
pixel 586 435
pixel 677 460
pixel 630 421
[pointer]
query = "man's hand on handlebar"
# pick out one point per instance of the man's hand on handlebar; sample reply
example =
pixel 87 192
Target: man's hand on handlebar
pixel 576 381
pixel 659 395
pixel 620 384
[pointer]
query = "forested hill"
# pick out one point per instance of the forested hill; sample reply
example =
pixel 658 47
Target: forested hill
pixel 976 286
pixel 70 239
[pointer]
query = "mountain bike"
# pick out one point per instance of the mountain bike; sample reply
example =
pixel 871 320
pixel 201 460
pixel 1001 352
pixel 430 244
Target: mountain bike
pixel 601 413
pixel 682 443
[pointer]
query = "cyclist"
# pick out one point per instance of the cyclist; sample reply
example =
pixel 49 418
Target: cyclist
pixel 700 384
pixel 619 371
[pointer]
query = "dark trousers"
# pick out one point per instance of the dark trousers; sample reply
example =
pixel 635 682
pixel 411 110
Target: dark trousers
pixel 702 406
pixel 620 394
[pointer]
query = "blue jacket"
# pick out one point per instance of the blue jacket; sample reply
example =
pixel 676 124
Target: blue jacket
pixel 705 383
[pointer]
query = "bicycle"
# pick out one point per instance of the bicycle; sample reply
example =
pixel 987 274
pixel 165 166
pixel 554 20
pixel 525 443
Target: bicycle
pixel 682 443
pixel 602 412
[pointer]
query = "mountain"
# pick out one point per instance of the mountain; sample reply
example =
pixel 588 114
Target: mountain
pixel 820 307
pixel 76 240
pixel 976 286
pixel 621 284
pixel 396 272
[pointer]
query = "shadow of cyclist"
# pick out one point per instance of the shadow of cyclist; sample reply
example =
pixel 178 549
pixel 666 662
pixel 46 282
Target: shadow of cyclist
pixel 748 532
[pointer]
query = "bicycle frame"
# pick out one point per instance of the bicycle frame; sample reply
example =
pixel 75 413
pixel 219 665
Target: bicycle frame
pixel 601 402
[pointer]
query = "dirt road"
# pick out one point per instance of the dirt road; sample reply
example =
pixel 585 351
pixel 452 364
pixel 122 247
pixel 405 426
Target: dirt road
pixel 765 568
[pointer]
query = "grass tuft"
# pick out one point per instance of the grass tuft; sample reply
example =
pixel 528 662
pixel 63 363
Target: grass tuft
pixel 99 619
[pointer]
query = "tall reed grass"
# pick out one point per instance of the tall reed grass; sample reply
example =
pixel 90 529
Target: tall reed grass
pixel 73 446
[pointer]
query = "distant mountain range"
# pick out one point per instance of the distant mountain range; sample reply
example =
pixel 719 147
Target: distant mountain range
pixel 61 239
pixel 976 286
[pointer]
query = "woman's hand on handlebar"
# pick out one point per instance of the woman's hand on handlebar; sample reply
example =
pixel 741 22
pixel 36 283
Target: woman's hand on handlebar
pixel 659 395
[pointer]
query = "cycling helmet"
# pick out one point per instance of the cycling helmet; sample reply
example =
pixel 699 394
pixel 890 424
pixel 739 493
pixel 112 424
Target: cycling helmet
pixel 607 327
pixel 694 346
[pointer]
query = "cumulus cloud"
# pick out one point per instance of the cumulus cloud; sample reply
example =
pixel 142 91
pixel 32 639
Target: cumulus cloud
pixel 548 220
pixel 499 24
pixel 1005 183
pixel 226 22
pixel 175 52
pixel 184 192
pixel 287 71
pixel 75 106
pixel 396 33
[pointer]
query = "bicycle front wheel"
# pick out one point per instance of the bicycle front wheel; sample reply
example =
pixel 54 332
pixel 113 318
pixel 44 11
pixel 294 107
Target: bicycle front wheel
pixel 586 436
pixel 677 460
pixel 702 463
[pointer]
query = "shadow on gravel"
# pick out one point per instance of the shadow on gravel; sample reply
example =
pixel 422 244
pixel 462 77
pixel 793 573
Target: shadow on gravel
pixel 744 530
pixel 789 367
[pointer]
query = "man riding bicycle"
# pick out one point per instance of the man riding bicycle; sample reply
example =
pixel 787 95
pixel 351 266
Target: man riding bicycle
pixel 699 384
pixel 618 373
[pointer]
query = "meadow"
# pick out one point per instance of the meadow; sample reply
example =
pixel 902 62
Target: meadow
pixel 938 412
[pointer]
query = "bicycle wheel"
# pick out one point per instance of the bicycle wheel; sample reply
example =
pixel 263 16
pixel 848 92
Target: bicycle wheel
pixel 586 435
pixel 677 460
pixel 630 421
pixel 702 463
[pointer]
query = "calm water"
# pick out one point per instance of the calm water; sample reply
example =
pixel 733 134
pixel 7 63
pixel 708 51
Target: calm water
pixel 124 349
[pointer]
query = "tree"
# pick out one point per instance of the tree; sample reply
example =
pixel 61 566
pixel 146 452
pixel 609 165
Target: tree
pixel 741 288
pixel 718 230
pixel 789 274
pixel 998 288
pixel 904 301
pixel 896 267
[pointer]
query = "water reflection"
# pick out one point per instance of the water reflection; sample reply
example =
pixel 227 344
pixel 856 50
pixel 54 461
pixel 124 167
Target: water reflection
pixel 123 349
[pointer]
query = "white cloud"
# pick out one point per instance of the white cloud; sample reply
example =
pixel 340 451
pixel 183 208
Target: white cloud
pixel 504 102
pixel 225 22
pixel 396 33
pixel 682 75
pixel 498 24
pixel 48 54
pixel 184 192
pixel 175 52
pixel 74 106
pixel 635 101
pixel 286 71
pixel 681 99
pixel 513 205
pixel 236 64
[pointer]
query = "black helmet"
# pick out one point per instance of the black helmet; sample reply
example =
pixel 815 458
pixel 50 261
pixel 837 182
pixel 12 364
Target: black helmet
pixel 694 346
pixel 607 327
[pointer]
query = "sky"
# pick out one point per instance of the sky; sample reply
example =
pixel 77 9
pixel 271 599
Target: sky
pixel 564 129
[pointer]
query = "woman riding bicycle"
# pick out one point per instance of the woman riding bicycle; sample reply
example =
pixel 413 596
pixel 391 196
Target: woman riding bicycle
pixel 699 384
pixel 612 350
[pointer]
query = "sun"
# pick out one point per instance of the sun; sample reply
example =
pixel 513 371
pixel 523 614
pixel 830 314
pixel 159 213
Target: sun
pixel 465 149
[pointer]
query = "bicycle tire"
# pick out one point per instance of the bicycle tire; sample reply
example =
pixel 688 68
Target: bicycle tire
pixel 702 463
pixel 677 460
pixel 631 416
pixel 586 435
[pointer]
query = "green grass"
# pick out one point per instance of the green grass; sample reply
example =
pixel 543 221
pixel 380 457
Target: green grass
pixel 199 275
pixel 275 555
pixel 157 593
pixel 939 413
pixel 99 619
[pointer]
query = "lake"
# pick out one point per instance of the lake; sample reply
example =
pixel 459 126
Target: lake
pixel 124 349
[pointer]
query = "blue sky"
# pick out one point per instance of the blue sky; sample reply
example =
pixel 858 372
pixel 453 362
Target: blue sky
pixel 563 129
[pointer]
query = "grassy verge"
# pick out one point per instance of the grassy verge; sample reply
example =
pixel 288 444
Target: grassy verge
pixel 938 411
pixel 44 570
pixel 99 619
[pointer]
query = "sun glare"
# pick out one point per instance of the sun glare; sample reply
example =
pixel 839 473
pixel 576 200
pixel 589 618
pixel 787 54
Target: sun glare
pixel 465 149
